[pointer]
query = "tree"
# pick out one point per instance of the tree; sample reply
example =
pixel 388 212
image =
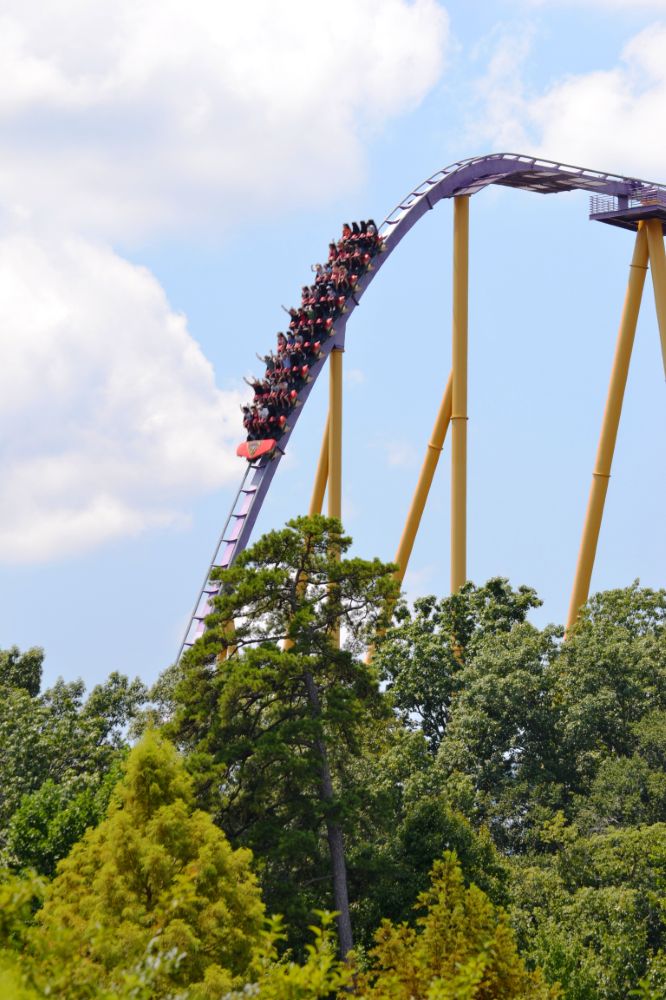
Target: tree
pixel 21 670
pixel 402 824
pixel 591 912
pixel 155 874
pixel 624 792
pixel 461 949
pixel 537 725
pixel 12 985
pixel 270 712
pixel 502 736
pixel 422 656
pixel 321 976
pixel 49 821
pixel 610 677
pixel 61 739
pixel 19 899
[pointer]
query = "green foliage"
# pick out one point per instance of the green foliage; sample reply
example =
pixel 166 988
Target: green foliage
pixel 461 949
pixel 155 875
pixel 19 900
pixel 503 733
pixel 421 656
pixel 294 585
pixel 255 745
pixel 540 763
pixel 21 670
pixel 539 726
pixel 12 981
pixel 625 791
pixel 561 750
pixel 592 915
pixel 610 676
pixel 403 824
pixel 50 820
pixel 55 751
pixel 653 986
pixel 594 944
pixel 321 975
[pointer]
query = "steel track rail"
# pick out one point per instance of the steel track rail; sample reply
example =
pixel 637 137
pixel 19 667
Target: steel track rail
pixel 465 177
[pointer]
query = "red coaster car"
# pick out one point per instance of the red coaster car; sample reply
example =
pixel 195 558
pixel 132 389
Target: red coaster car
pixel 255 449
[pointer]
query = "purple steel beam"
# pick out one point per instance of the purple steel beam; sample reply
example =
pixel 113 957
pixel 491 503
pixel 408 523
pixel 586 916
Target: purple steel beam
pixel 466 177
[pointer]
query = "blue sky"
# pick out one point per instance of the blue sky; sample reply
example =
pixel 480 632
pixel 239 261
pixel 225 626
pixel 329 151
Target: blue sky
pixel 170 171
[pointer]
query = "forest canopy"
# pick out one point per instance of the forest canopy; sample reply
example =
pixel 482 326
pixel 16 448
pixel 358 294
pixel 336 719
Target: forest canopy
pixel 476 811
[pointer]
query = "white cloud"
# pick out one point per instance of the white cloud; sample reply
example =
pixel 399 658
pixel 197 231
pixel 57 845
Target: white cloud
pixel 604 119
pixel 122 119
pixel 114 414
pixel 501 92
pixel 606 5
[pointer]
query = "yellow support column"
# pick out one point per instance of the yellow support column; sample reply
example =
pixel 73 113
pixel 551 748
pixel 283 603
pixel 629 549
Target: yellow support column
pixel 459 393
pixel 335 447
pixel 335 434
pixel 230 629
pixel 321 476
pixel 424 482
pixel 609 428
pixel 655 236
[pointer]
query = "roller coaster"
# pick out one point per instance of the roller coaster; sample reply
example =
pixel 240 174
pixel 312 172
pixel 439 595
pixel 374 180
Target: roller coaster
pixel 627 202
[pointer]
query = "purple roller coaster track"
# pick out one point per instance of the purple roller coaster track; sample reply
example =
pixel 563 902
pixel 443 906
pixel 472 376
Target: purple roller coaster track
pixel 619 201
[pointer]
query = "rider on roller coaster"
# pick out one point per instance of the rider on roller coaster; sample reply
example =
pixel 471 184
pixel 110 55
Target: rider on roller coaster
pixel 321 304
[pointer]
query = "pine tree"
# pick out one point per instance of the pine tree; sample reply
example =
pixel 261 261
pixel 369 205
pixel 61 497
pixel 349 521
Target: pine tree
pixel 155 878
pixel 270 712
pixel 461 949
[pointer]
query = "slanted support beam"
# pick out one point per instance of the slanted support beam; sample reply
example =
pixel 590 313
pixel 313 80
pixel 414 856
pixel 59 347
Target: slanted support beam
pixel 655 236
pixel 609 427
pixel 424 482
pixel 459 393
pixel 321 476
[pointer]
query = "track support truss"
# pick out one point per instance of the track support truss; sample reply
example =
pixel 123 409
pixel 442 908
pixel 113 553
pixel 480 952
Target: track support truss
pixel 649 246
